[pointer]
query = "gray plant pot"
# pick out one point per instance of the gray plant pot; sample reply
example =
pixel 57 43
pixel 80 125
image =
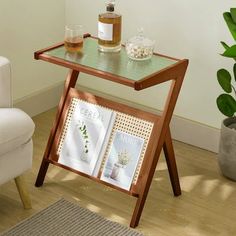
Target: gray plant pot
pixel 227 149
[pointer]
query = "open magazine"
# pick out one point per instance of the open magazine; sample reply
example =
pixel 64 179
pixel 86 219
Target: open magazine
pixel 87 132
pixel 84 144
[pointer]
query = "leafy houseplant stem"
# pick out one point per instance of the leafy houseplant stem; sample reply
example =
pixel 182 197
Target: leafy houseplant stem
pixel 226 103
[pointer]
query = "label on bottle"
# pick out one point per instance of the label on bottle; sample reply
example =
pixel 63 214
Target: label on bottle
pixel 105 31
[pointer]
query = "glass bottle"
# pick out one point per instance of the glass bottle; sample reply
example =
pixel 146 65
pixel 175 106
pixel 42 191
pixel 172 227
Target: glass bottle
pixel 109 29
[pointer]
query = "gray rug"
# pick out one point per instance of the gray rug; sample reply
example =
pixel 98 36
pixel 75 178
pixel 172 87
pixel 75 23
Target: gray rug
pixel 64 218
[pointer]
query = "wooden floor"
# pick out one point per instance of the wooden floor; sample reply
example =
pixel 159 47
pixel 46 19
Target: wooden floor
pixel 207 205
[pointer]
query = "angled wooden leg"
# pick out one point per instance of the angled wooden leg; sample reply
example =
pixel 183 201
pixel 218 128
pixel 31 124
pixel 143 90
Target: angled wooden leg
pixel 170 159
pixel 42 173
pixel 138 210
pixel 69 83
pixel 23 191
pixel 171 163
pixel 162 140
pixel 145 183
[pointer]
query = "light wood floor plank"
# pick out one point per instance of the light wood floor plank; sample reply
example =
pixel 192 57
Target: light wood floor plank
pixel 207 206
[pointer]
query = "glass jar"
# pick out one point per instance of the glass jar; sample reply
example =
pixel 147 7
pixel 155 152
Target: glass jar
pixel 139 47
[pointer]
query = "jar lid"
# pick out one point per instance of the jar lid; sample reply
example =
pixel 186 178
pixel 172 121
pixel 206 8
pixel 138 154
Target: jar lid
pixel 139 47
pixel 141 40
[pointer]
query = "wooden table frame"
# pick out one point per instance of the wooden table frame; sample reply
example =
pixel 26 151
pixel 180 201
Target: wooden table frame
pixel 175 73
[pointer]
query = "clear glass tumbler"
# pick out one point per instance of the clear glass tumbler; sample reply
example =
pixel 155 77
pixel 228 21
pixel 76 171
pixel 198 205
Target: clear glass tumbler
pixel 74 38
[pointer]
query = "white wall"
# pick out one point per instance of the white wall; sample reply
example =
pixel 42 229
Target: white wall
pixel 183 29
pixel 27 26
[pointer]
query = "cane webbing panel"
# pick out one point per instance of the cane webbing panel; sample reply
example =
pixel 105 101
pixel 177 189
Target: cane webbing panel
pixel 123 122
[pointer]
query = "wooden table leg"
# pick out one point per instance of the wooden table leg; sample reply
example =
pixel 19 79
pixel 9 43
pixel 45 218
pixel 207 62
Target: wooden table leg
pixel 69 83
pixel 145 183
pixel 138 210
pixel 170 159
pixel 163 140
pixel 171 163
pixel 42 172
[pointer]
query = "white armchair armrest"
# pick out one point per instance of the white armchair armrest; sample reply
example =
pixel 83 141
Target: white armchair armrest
pixel 5 83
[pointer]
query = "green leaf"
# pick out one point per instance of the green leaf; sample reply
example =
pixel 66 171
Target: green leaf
pixel 230 52
pixel 231 25
pixel 224 79
pixel 226 104
pixel 233 14
pixel 225 45
pixel 235 71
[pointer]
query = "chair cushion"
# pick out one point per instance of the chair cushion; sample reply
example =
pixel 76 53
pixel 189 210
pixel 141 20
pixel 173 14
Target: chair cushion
pixel 15 162
pixel 5 83
pixel 16 129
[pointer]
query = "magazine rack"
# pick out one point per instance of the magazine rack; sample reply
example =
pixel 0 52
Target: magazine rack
pixel 137 75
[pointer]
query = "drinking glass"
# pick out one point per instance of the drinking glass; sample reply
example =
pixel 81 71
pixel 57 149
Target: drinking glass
pixel 74 38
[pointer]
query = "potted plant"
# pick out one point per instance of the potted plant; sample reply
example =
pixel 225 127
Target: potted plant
pixel 227 105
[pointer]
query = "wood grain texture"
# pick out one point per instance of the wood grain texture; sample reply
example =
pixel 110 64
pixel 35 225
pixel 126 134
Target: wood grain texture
pixel 206 207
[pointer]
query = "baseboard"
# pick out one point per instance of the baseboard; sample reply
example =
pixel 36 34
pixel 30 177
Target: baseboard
pixel 182 129
pixel 194 133
pixel 40 101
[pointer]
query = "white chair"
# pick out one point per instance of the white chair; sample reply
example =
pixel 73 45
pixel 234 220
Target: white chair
pixel 16 130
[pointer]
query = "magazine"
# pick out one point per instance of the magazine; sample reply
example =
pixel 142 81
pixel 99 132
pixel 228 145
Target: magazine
pixel 86 136
pixel 122 160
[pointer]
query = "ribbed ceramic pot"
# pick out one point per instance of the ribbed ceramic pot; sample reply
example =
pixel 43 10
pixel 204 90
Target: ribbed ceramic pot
pixel 227 149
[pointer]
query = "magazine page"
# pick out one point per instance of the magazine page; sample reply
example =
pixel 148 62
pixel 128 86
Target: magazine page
pixel 105 143
pixel 85 135
pixel 122 160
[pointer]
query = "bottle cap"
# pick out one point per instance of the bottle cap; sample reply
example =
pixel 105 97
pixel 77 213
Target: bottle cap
pixel 111 5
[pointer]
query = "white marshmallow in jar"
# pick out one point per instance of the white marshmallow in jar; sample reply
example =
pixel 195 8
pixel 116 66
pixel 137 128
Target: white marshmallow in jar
pixel 139 47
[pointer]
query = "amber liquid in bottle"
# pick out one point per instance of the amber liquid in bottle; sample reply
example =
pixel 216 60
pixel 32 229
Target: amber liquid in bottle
pixel 109 31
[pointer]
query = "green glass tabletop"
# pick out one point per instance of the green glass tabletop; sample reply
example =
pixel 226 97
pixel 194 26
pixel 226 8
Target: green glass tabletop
pixel 114 63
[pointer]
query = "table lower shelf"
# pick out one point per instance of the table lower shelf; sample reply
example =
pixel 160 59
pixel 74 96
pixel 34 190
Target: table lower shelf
pixel 126 146
pixel 96 179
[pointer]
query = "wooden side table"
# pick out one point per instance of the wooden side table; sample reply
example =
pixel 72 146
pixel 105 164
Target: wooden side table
pixel 118 68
